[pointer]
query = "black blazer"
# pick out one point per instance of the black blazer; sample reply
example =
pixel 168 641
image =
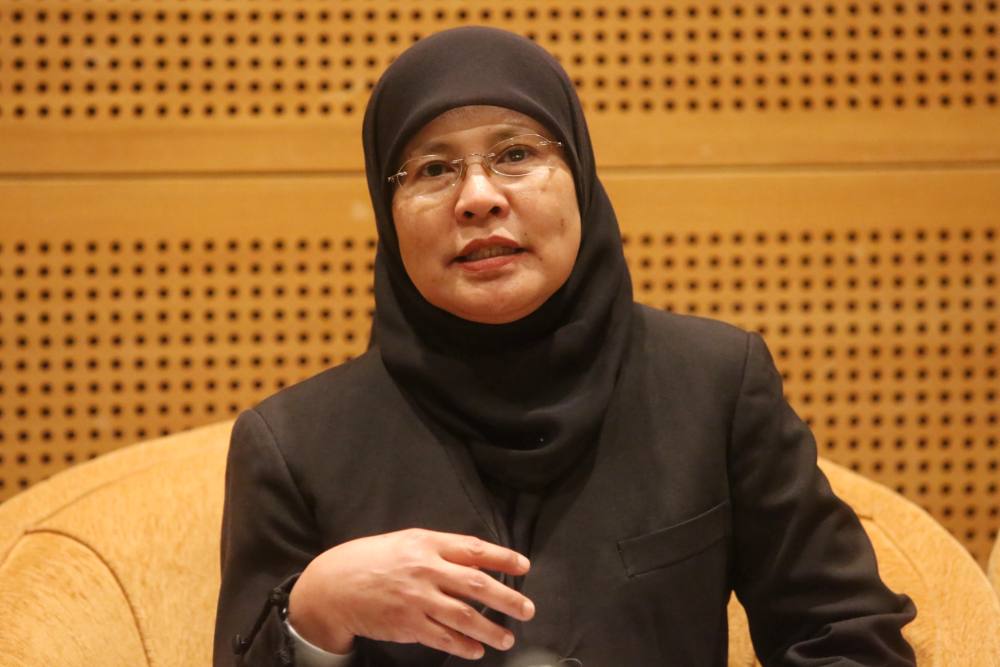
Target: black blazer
pixel 634 555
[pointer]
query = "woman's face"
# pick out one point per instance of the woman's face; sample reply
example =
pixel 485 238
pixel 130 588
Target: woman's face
pixel 490 248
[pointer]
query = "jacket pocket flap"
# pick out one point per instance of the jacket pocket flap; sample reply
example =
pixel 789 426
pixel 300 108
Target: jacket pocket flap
pixel 674 543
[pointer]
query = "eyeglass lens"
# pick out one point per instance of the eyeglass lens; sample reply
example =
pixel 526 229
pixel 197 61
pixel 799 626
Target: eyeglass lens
pixel 514 157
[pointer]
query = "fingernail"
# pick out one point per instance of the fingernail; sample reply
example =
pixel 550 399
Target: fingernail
pixel 507 642
pixel 478 653
pixel 523 562
pixel 527 609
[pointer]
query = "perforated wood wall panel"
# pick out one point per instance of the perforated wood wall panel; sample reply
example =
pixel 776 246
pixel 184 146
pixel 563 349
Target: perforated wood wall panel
pixel 820 82
pixel 184 227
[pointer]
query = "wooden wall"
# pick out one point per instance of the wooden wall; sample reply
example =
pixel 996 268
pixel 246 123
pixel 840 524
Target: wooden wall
pixel 184 226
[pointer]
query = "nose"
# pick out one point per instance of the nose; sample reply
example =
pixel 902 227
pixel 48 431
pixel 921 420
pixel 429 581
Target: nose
pixel 478 196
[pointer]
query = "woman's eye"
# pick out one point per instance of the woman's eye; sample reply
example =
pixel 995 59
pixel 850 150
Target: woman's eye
pixel 516 154
pixel 434 170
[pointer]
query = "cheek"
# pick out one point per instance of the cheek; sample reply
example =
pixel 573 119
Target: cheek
pixel 559 194
pixel 569 224
pixel 571 234
pixel 417 231
pixel 409 243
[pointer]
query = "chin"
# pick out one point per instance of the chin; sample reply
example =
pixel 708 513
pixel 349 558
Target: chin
pixel 494 313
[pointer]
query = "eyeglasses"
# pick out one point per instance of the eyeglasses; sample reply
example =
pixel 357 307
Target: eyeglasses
pixel 511 158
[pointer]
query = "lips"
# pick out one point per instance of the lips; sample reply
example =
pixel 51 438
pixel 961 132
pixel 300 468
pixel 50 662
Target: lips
pixel 487 253
pixel 488 248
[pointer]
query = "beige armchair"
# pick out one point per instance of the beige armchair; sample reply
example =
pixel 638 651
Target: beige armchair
pixel 115 563
pixel 993 566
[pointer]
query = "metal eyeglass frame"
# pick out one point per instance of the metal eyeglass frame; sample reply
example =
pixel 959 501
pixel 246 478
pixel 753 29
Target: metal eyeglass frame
pixel 486 159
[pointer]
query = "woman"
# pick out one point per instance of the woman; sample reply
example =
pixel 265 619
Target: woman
pixel 618 470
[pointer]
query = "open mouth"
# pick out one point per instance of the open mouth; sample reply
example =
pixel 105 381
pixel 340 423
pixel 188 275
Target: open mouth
pixel 488 253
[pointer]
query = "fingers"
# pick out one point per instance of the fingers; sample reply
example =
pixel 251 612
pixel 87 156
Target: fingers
pixel 470 584
pixel 437 635
pixel 468 622
pixel 431 578
pixel 474 552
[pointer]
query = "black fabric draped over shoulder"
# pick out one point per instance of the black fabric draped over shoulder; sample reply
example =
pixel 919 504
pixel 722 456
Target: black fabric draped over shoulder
pixel 527 397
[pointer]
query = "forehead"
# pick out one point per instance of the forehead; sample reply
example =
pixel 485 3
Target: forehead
pixel 471 123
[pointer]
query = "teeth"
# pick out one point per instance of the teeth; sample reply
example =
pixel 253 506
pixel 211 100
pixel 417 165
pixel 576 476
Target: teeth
pixel 486 253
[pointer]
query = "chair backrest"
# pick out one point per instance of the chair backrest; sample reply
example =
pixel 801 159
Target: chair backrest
pixel 115 562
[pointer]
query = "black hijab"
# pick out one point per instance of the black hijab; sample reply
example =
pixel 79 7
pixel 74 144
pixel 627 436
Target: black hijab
pixel 527 398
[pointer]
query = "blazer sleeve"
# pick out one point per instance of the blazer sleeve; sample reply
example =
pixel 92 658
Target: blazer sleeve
pixel 804 568
pixel 268 537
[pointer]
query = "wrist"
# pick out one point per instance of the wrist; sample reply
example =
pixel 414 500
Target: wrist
pixel 333 639
pixel 308 654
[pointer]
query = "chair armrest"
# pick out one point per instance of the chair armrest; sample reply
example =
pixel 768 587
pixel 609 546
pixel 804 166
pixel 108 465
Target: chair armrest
pixel 61 605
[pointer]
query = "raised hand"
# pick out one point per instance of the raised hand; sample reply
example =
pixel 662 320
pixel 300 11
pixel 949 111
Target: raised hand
pixel 409 586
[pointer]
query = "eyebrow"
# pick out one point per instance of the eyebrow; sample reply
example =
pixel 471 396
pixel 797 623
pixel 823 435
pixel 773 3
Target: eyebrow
pixel 505 132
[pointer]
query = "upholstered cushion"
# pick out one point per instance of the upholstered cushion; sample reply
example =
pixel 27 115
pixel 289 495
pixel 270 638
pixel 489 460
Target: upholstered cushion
pixel 115 562
pixel 60 604
pixel 993 567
